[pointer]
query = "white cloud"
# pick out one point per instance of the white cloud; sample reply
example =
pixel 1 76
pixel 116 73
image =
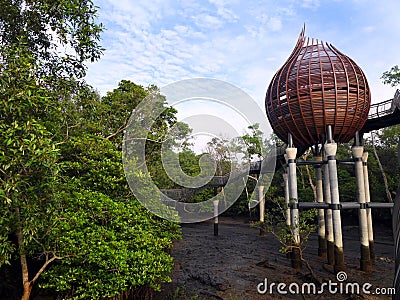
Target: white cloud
pixel 242 42
pixel 311 4
pixel 207 21
pixel 223 11
pixel 368 29
pixel 275 23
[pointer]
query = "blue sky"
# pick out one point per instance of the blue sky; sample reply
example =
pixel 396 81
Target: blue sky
pixel 241 42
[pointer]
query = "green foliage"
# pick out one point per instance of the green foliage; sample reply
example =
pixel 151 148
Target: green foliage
pixel 43 49
pixel 252 142
pixel 48 27
pixel 28 155
pixel 220 149
pixel 117 106
pixel 165 132
pixel 389 138
pixel 63 189
pixel 109 242
pixel 392 76
pixel 346 175
pixel 116 246
pixel 189 162
pixel 180 294
pixel 386 149
pixel 276 224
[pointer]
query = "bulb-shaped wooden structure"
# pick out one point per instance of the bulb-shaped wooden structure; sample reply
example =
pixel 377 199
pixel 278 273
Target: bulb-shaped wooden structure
pixel 316 87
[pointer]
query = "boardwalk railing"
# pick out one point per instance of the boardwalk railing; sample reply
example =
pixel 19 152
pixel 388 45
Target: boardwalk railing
pixel 385 108
pixel 266 166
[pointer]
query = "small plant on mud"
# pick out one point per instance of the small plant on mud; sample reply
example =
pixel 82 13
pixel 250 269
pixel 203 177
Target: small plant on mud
pixel 277 223
pixel 180 294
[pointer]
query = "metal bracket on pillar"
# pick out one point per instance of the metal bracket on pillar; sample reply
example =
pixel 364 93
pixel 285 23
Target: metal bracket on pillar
pixel 357 139
pixel 290 141
pixel 329 137
pixel 335 206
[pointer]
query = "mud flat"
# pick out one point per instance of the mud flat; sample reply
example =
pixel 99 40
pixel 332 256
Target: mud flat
pixel 231 265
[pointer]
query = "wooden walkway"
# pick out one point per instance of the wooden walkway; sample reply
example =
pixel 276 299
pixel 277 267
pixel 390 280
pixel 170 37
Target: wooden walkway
pixel 383 114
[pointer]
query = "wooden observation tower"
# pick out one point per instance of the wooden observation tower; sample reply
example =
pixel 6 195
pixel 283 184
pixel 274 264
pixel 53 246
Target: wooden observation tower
pixel 316 87
pixel 320 97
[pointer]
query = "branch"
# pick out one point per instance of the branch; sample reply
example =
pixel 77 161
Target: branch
pixel 122 128
pixel 146 139
pixel 247 191
pixel 40 244
pixel 252 177
pixel 48 261
pixel 314 189
pixel 279 239
pixel 313 276
pixel 67 136
pixel 389 196
pixel 5 174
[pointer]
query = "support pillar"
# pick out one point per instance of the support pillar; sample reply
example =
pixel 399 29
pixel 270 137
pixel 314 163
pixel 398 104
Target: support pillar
pixel 287 210
pixel 215 203
pixel 330 150
pixel 286 189
pixel 396 233
pixel 321 214
pixel 369 212
pixel 330 241
pixel 294 204
pixel 261 199
pixel 365 261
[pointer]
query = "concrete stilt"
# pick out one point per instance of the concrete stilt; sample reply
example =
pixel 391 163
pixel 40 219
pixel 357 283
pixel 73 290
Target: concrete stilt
pixel 369 212
pixel 215 203
pixel 286 188
pixel 330 150
pixel 365 261
pixel 261 199
pixel 287 211
pixel 321 212
pixel 291 155
pixel 330 241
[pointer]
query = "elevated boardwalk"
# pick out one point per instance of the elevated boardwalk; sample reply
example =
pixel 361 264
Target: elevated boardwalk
pixel 383 114
pixel 269 165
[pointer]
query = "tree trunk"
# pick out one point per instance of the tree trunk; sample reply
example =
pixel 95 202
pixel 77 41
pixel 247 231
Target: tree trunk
pixel 24 264
pixel 27 291
pixel 388 195
pixel 310 179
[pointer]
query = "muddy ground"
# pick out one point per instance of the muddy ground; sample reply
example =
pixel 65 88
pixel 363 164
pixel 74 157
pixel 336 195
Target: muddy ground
pixel 231 265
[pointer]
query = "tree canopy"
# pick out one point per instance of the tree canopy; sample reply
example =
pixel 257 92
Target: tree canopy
pixel 392 76
pixel 68 217
pixel 60 35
